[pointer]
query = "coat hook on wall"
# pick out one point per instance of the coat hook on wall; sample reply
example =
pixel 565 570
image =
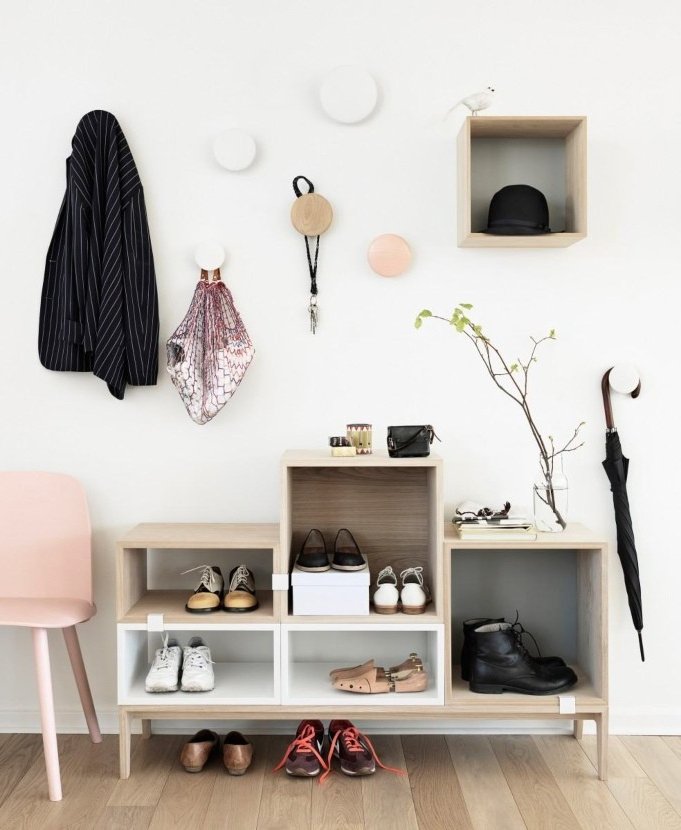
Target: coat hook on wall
pixel 234 149
pixel 623 378
pixel 209 255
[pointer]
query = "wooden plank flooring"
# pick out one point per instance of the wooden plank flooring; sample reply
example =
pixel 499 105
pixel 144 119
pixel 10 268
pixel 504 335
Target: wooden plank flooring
pixel 467 782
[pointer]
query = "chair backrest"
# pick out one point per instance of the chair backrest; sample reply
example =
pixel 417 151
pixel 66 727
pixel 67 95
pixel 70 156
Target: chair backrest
pixel 45 546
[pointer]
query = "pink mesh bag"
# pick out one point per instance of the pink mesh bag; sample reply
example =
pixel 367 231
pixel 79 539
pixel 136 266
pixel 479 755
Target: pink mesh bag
pixel 210 350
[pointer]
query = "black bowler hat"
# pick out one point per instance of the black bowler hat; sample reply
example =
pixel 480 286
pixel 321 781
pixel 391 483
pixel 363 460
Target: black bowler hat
pixel 518 210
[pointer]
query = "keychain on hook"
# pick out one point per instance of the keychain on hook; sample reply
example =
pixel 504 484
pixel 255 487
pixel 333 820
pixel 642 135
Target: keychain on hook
pixel 311 215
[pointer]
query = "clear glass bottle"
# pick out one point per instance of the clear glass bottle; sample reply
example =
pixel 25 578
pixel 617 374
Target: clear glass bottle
pixel 551 498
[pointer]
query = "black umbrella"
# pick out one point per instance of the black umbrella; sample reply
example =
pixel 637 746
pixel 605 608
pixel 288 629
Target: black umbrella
pixel 616 466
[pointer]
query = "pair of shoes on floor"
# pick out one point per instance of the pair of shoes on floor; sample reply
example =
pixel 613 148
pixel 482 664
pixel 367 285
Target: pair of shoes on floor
pixel 369 679
pixel 237 751
pixel 413 596
pixel 210 595
pixel 311 752
pixel 494 659
pixel 189 669
pixel 314 558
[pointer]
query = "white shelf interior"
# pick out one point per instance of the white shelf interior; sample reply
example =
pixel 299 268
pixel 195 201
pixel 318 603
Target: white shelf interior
pixel 309 653
pixel 246 667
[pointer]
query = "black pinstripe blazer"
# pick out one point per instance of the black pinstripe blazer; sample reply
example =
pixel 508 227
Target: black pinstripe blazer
pixel 99 308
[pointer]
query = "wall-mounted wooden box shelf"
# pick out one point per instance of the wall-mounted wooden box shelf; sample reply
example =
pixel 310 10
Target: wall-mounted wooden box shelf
pixel 547 152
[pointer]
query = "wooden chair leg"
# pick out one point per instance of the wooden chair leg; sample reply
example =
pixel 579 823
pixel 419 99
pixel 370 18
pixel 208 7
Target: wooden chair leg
pixel 146 728
pixel 78 667
pixel 579 729
pixel 42 668
pixel 124 743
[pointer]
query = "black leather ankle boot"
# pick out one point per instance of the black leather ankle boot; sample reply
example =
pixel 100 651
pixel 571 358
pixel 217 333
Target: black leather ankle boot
pixel 470 625
pixel 501 663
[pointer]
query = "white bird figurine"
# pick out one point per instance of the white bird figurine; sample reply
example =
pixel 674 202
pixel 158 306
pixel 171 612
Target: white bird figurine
pixel 476 102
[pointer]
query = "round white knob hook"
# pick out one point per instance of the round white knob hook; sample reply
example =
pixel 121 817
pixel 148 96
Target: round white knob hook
pixel 209 255
pixel 624 378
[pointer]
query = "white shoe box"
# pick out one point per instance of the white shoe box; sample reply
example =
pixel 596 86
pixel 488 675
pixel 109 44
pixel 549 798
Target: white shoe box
pixel 334 593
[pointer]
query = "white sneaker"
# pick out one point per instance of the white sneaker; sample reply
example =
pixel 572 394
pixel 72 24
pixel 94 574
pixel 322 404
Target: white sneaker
pixel 164 673
pixel 197 667
pixel 414 594
pixel 386 596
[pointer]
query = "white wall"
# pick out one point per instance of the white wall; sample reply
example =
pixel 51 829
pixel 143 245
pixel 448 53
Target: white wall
pixel 175 74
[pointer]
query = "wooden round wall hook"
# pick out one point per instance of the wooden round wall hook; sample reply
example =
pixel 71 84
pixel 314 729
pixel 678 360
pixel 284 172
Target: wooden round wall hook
pixel 311 214
pixel 389 255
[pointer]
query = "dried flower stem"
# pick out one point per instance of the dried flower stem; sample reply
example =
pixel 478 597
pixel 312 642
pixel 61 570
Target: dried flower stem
pixel 513 380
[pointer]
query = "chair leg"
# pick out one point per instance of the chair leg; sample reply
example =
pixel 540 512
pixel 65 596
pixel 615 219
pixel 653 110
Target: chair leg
pixel 579 729
pixel 146 728
pixel 42 667
pixel 76 658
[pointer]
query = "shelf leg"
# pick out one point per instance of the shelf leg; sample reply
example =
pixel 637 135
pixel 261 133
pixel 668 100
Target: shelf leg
pixel 146 728
pixel 602 744
pixel 578 729
pixel 124 743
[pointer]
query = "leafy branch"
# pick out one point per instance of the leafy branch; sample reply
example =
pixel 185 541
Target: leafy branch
pixel 512 377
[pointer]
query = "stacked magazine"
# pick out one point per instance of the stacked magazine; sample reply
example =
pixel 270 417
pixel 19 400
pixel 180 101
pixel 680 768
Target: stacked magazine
pixel 510 528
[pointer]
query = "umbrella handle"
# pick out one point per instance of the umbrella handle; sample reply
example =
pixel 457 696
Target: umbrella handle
pixel 607 404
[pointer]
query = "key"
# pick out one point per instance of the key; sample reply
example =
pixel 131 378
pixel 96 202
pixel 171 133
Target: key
pixel 314 314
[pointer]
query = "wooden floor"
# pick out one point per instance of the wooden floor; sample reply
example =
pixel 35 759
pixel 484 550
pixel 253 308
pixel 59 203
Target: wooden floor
pixel 471 781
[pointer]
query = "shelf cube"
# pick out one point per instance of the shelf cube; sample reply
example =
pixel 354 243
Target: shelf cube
pixel 546 152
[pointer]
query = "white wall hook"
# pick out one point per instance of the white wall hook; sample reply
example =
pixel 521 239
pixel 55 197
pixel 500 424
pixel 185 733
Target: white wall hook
pixel 209 255
pixel 234 149
pixel 348 94
pixel 624 378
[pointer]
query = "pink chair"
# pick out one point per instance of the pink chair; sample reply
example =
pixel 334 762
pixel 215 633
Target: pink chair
pixel 46 582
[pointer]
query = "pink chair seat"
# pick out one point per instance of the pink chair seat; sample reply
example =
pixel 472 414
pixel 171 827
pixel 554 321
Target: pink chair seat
pixel 45 612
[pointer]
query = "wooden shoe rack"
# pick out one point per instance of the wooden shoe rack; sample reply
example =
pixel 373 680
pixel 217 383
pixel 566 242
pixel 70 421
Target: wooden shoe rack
pixel 272 665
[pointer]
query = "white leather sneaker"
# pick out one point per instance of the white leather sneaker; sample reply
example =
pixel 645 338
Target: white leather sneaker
pixel 414 594
pixel 386 595
pixel 164 674
pixel 197 667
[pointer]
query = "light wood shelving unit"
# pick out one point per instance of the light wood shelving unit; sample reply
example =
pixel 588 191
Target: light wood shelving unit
pixel 568 133
pixel 271 665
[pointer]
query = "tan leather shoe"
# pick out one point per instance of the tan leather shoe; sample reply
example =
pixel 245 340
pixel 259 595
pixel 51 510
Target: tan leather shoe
pixel 237 753
pixel 241 596
pixel 196 752
pixel 207 596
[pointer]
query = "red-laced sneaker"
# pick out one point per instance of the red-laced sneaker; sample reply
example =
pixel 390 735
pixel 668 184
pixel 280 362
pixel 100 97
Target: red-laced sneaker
pixel 354 751
pixel 304 754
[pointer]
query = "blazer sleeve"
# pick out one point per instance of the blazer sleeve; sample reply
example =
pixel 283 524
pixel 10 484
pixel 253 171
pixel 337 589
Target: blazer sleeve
pixel 140 298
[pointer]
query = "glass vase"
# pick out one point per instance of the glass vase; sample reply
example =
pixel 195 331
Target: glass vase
pixel 551 498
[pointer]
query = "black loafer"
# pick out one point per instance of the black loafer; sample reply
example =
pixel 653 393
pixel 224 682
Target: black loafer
pixel 346 553
pixel 313 556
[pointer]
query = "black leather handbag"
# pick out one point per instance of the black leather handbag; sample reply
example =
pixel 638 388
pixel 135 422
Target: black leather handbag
pixel 410 442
